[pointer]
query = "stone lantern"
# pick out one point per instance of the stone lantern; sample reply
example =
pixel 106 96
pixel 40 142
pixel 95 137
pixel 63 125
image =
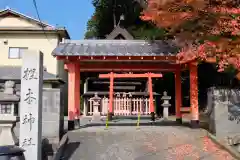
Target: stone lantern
pixel 165 104
pixel 96 105
pixel 8 113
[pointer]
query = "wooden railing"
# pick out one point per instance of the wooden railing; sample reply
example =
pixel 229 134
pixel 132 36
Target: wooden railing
pixel 122 106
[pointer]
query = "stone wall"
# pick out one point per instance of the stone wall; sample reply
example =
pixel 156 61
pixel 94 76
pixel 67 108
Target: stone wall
pixel 53 117
pixel 224 112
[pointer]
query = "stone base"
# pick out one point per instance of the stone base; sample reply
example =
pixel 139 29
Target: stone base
pixel 165 112
pixel 77 123
pixel 152 116
pixel 194 124
pixel 179 120
pixel 96 117
pixel 110 116
pixel 7 136
pixel 73 124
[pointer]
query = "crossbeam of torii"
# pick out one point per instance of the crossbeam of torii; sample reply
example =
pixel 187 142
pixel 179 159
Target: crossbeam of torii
pixel 113 76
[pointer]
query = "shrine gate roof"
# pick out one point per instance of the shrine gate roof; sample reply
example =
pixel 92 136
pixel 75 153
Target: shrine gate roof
pixel 115 48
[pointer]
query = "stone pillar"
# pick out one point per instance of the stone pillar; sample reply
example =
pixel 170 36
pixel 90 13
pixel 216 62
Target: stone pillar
pixel 85 86
pixel 30 135
pixel 194 95
pixel 85 110
pixel 85 107
pixel 8 115
pixel 178 96
pixel 96 104
pixel 165 104
pixel 73 95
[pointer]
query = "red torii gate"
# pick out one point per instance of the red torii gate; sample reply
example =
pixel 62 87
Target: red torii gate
pixel 113 76
pixel 88 56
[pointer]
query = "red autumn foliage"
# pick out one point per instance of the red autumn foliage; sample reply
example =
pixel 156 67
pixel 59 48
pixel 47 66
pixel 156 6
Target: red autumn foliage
pixel 207 29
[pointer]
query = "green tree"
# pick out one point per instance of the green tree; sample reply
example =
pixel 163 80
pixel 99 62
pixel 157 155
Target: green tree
pixel 108 12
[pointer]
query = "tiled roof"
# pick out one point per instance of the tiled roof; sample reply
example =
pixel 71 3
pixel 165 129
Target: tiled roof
pixel 115 48
pixel 119 30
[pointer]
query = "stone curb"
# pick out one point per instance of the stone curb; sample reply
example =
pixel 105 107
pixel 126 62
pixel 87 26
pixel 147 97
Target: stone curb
pixel 61 148
pixel 234 153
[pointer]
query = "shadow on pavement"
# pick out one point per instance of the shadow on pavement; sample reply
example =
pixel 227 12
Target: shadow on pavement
pixel 70 149
pixel 145 121
pixel 119 123
pixel 47 149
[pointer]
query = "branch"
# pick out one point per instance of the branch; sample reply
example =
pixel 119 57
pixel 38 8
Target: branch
pixel 143 3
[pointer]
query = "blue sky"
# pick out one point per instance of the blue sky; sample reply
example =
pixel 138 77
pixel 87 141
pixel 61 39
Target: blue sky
pixel 73 14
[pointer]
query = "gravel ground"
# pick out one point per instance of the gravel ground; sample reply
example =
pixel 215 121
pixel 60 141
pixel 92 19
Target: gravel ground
pixel 144 143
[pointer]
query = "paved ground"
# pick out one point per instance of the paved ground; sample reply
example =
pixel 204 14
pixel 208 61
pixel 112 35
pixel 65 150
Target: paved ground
pixel 146 143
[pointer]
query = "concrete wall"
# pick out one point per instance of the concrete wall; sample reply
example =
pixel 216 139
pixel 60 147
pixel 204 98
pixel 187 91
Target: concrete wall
pixel 53 118
pixel 63 74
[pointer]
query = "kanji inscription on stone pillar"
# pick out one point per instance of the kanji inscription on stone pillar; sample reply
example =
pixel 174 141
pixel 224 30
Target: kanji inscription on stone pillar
pixel 31 104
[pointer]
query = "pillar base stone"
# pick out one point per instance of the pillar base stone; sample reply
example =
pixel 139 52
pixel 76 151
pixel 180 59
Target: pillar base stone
pixel 70 125
pixel 96 117
pixel 194 124
pixel 152 116
pixel 110 116
pixel 76 123
pixel 7 135
pixel 179 120
pixel 73 124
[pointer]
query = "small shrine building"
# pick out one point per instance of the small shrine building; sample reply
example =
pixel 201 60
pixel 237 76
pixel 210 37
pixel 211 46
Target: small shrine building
pixel 121 57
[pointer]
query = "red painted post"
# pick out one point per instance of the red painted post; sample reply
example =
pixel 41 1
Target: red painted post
pixel 178 94
pixel 150 91
pixel 111 96
pixel 73 94
pixel 194 95
pixel 112 75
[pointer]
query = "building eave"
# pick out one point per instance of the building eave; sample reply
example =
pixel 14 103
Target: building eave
pixel 121 48
pixel 16 13
pixel 63 33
